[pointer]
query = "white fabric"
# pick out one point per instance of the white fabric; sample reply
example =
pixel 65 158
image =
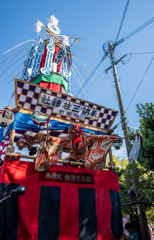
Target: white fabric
pixel 38 27
pixel 54 67
pixel 50 20
pixel 133 155
pixel 66 41
pixel 53 28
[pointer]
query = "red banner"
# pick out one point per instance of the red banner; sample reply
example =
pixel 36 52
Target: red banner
pixel 61 203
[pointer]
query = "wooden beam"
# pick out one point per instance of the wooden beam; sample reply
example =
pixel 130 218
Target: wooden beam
pixel 48 30
pixel 58 161
pixel 110 158
pixel 11 141
pixel 10 148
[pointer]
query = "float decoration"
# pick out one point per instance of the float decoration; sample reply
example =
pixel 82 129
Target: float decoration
pixel 6 117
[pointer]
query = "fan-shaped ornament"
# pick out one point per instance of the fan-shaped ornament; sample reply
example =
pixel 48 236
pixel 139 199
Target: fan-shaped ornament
pixel 6 117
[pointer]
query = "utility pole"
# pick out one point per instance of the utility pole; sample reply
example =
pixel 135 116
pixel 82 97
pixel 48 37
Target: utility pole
pixel 120 101
pixel 141 214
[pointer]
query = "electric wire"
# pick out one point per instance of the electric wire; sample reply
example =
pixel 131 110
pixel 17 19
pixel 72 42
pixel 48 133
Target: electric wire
pixel 14 77
pixel 134 32
pixel 87 52
pixel 143 53
pixel 93 43
pixel 111 88
pixel 97 66
pixel 123 17
pixel 93 83
pixel 127 60
pixel 140 83
pixel 88 66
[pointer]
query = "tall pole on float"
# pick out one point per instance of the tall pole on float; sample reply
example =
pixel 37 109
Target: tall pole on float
pixel 120 101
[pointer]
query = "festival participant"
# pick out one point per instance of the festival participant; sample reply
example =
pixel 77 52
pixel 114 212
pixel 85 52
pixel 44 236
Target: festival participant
pixel 132 234
pixel 89 148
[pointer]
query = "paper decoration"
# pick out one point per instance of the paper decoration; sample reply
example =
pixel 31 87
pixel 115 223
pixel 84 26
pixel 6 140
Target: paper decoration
pixel 48 62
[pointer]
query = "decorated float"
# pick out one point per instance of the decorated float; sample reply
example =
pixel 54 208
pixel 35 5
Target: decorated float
pixel 55 145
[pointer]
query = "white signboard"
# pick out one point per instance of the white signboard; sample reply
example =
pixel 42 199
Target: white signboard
pixel 68 108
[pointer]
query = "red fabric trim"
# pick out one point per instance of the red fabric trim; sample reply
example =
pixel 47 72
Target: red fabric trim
pixel 18 157
pixel 59 65
pixel 69 224
pixel 103 208
pixel 28 206
pixel 42 63
pixel 50 85
pixel 26 169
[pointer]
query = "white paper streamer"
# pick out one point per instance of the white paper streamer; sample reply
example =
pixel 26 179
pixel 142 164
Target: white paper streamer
pixel 66 42
pixel 38 27
pixel 52 19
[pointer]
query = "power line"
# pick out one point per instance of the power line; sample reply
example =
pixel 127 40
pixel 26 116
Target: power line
pixel 135 31
pixel 123 17
pixel 93 82
pixel 143 53
pixel 87 51
pixel 140 84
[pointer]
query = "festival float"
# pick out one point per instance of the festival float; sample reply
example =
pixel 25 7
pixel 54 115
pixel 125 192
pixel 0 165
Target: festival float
pixel 55 145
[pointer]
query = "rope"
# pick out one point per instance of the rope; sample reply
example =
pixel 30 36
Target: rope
pixel 80 77
pixel 19 45
pixel 14 71
pixel 13 64
pixel 77 80
pixel 15 53
pixel 14 77
pixel 85 68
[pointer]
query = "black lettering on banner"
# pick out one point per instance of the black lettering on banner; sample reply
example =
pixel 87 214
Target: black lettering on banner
pixel 75 109
pixel 45 100
pixel 86 111
pixel 67 105
pixel 56 102
pixel 93 113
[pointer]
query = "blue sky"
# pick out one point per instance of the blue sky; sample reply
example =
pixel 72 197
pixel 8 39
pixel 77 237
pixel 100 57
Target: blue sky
pixel 97 22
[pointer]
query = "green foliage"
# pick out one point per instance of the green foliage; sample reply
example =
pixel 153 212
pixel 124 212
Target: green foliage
pixel 144 172
pixel 146 128
pixel 145 185
pixel 118 163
